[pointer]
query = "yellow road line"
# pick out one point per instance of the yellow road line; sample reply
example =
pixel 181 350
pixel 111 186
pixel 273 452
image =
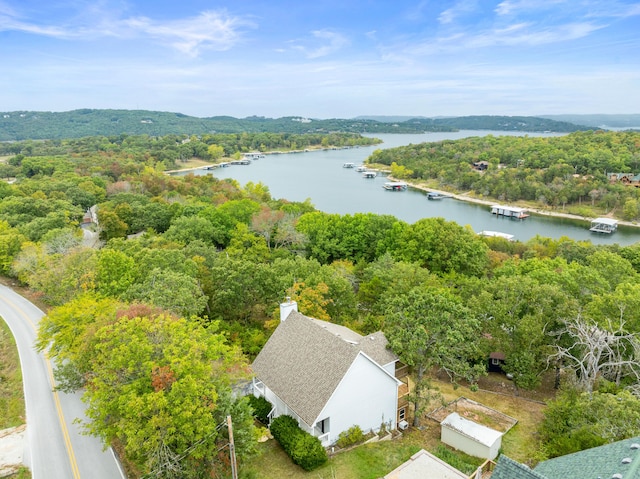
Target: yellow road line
pixel 63 424
pixel 56 399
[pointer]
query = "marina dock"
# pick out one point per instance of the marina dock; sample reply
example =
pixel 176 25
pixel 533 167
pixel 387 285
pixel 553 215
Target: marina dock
pixel 604 225
pixel 509 212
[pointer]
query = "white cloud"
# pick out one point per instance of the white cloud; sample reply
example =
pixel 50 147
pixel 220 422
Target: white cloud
pixel 462 7
pixel 210 30
pixel 530 35
pixel 509 7
pixel 329 42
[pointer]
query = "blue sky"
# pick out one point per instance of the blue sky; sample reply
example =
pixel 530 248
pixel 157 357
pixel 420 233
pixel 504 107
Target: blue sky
pixel 322 59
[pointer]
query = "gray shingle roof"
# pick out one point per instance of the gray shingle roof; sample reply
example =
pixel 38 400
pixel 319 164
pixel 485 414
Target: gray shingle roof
pixel 604 462
pixel 507 468
pixel 305 359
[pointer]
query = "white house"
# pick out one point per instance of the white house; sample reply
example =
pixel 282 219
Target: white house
pixel 470 437
pixel 328 377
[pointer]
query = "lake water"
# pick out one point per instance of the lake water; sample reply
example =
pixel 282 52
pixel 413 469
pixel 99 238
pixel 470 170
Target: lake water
pixel 320 176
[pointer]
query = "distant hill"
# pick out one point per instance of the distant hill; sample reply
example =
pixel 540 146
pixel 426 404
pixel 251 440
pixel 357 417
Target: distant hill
pixel 600 121
pixel 24 125
pixel 501 123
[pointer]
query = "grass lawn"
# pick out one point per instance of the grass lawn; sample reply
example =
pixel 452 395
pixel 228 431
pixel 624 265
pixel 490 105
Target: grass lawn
pixel 192 163
pixel 368 461
pixel 374 460
pixel 11 393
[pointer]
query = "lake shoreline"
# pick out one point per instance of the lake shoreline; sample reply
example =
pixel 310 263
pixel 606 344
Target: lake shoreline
pixel 535 211
pixel 457 196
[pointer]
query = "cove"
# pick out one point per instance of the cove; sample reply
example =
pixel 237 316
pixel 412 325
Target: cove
pixel 320 177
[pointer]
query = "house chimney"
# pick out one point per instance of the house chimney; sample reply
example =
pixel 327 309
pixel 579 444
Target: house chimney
pixel 287 307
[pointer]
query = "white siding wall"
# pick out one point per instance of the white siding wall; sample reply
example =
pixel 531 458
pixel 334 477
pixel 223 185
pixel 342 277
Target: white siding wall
pixel 281 409
pixel 468 445
pixel 390 368
pixel 365 395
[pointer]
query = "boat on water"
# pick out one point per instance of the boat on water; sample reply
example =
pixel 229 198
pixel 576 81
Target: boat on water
pixel 395 186
pixel 496 234
pixel 349 165
pixel 246 161
pixel 604 225
pixel 509 212
pixel 361 168
pixel 369 174
pixel 434 195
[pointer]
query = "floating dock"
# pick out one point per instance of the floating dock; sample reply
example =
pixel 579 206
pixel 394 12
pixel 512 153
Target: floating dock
pixel 604 225
pixel 369 174
pixel 395 185
pixel 434 195
pixel 509 212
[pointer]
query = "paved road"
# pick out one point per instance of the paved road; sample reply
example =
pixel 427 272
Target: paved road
pixel 55 447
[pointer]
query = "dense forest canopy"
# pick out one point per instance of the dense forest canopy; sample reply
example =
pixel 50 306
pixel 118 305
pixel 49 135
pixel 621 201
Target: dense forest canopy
pixel 166 152
pixel 173 260
pixel 23 125
pixel 569 172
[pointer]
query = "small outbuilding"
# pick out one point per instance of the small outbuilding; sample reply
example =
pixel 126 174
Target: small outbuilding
pixel 496 361
pixel 470 437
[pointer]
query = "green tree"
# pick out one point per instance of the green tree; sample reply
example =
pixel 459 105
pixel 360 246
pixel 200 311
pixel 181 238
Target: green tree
pixel 215 152
pixel 115 273
pixel 442 247
pixel 66 333
pixel 161 387
pixel 576 421
pixel 170 290
pixel 517 313
pixel 11 241
pixel 431 328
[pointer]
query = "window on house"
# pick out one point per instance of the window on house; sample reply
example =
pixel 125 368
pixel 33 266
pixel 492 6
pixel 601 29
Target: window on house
pixel 401 414
pixel 323 425
pixel 495 362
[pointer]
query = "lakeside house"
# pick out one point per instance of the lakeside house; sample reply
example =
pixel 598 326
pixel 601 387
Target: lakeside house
pixel 330 378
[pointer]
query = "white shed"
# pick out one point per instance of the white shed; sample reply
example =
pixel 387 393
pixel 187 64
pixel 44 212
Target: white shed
pixel 470 437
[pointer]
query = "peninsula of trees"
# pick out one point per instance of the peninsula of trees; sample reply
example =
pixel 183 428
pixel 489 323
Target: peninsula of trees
pixel 579 173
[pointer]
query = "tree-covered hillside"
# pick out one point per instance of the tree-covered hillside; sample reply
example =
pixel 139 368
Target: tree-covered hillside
pixel 559 172
pixel 23 125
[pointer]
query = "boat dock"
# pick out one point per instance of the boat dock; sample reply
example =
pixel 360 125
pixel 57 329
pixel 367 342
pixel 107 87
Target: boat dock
pixel 434 195
pixel 369 174
pixel 509 212
pixel 604 225
pixel 349 165
pixel 395 186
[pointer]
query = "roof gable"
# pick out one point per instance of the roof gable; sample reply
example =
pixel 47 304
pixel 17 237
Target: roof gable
pixel 305 359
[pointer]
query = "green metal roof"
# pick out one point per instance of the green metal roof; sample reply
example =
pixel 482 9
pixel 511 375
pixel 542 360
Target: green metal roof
pixel 618 460
pixel 507 468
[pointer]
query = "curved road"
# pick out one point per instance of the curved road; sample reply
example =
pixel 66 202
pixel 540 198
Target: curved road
pixel 55 447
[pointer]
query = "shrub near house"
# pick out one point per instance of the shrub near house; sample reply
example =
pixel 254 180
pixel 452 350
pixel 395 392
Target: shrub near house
pixel 304 449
